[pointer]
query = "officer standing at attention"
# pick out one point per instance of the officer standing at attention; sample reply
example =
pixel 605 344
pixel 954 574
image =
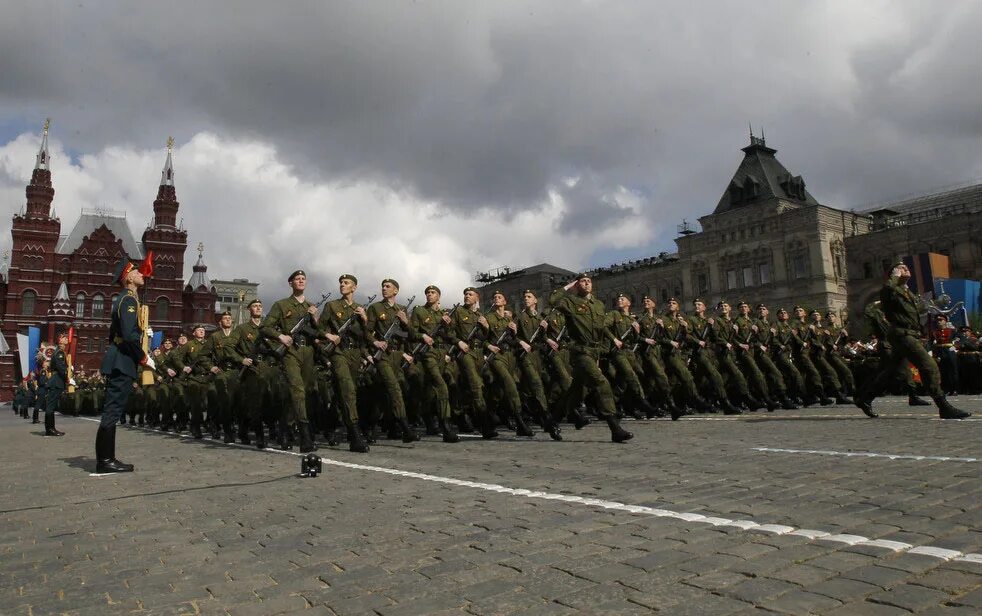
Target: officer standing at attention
pixel 900 307
pixel 120 366
pixel 56 385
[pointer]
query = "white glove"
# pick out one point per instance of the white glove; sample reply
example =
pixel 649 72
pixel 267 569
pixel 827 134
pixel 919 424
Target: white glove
pixel 71 382
pixel 149 332
pixel 149 363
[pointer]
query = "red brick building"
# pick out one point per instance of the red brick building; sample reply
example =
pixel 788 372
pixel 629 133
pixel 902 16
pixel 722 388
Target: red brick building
pixel 54 280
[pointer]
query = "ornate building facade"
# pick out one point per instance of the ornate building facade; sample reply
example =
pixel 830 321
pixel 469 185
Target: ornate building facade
pixel 52 280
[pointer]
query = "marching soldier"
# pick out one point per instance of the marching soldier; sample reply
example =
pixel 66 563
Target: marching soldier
pixel 586 320
pixel 745 330
pixel 298 358
pixel 803 339
pixel 765 335
pixel 343 322
pixel 531 324
pixel 624 329
pixel 652 366
pixel 500 361
pixel 222 386
pixel 56 385
pixel 701 339
pixel 781 352
pixel 467 332
pixel 388 325
pixel 838 336
pixel 821 341
pixel 248 349
pixel 426 325
pixel 725 338
pixel 900 308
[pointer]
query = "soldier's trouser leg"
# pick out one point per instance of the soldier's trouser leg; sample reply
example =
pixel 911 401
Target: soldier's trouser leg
pixel 473 385
pixel 627 375
pixel 118 390
pixel 735 379
pixel 792 376
pixel 346 364
pixel 52 395
pixel 775 380
pixel 501 366
pixel 587 375
pixel 843 371
pixel 755 378
pixel 706 368
pixel 829 377
pixel 531 384
pixel 432 369
pixel 654 370
pixel 675 365
pixel 298 368
pixel 811 375
pixel 389 381
pixel 904 348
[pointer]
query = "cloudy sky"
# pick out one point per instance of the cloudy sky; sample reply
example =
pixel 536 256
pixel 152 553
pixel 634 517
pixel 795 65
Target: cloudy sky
pixel 430 140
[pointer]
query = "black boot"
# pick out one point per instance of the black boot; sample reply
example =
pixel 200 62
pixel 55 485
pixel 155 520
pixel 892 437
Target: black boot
pixel 522 428
pixel 431 424
pixel 106 453
pixel 464 423
pixel 35 419
pixel 842 398
pixel 617 433
pixel 787 404
pixel 771 405
pixel 408 433
pixel 649 411
pixel 196 430
pixel 285 434
pixel 580 420
pixel 729 408
pixel 753 404
pixel 488 428
pixel 307 444
pixel 947 411
pixel 866 406
pixel 449 432
pixel 913 400
pixel 243 433
pixel 49 425
pixel 356 440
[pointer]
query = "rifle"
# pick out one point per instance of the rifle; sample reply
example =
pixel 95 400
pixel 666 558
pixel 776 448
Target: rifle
pixel 421 347
pixel 255 355
pixel 535 334
pixel 387 336
pixel 330 346
pixel 456 352
pixel 303 325
pixel 559 336
pixel 497 343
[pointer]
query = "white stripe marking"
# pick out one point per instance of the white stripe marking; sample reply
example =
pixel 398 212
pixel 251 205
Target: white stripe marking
pixel 896 546
pixel 865 454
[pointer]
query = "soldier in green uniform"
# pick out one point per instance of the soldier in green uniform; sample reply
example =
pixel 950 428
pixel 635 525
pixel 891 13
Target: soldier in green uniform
pixel 821 341
pixel 621 356
pixel 744 334
pixel 724 337
pixel 765 335
pixel 802 341
pixel 499 360
pixel 879 326
pixel 531 325
pixel 558 369
pixel 56 385
pixel 194 365
pixel 586 320
pixel 466 333
pixel 389 355
pixel 248 350
pixel 781 346
pixel 120 364
pixel 221 389
pixel 901 310
pixel 426 326
pixel 649 352
pixel 298 359
pixel 838 337
pixel 701 340
pixel 343 323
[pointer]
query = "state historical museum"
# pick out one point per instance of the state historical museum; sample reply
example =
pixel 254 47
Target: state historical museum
pixel 54 281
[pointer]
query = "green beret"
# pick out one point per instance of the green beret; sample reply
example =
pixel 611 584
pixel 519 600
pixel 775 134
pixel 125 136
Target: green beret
pixel 432 287
pixel 350 277
pixel 255 301
pixel 299 272
pixel 391 281
pixel 470 289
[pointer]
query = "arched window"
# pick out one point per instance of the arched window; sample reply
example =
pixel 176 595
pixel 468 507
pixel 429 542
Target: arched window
pixel 162 309
pixel 27 302
pixel 80 305
pixel 199 315
pixel 98 306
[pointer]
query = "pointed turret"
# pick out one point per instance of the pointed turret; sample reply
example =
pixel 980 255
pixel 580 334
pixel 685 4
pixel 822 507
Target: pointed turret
pixel 165 206
pixel 200 276
pixel 39 192
pixel 61 309
pixel 761 177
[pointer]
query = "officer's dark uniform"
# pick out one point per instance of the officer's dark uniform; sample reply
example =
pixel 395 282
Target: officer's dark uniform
pixel 55 386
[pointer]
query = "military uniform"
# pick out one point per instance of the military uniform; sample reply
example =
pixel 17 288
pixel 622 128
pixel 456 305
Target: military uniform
pixel 221 389
pixel 346 360
pixel 781 344
pixel 430 360
pixel 247 342
pixel 502 367
pixel 465 327
pixel 701 340
pixel 55 387
pixel 388 363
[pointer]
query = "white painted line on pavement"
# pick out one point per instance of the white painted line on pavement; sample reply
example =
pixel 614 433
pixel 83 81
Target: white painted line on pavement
pixel 865 454
pixel 780 529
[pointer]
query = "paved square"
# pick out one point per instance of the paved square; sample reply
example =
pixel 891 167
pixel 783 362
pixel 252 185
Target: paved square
pixel 796 512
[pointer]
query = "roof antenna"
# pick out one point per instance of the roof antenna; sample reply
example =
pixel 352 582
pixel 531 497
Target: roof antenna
pixel 751 131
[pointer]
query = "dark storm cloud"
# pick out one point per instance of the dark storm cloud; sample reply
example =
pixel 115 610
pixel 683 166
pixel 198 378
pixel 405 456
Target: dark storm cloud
pixel 493 105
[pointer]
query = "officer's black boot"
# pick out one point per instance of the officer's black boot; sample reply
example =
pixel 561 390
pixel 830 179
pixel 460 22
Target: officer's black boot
pixel 243 433
pixel 35 419
pixel 449 432
pixel 753 404
pixel 356 440
pixel 649 411
pixel 842 398
pixel 106 454
pixel 913 400
pixel 229 432
pixel 866 406
pixel 617 433
pixel 771 405
pixel 729 408
pixel 488 427
pixel 408 433
pixel 947 411
pixel 432 426
pixel 787 404
pixel 285 436
pixel 307 444
pixel 464 423
pixel 49 425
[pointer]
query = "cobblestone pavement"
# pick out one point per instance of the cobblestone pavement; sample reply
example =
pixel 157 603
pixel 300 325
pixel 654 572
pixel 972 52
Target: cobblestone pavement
pixel 759 514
